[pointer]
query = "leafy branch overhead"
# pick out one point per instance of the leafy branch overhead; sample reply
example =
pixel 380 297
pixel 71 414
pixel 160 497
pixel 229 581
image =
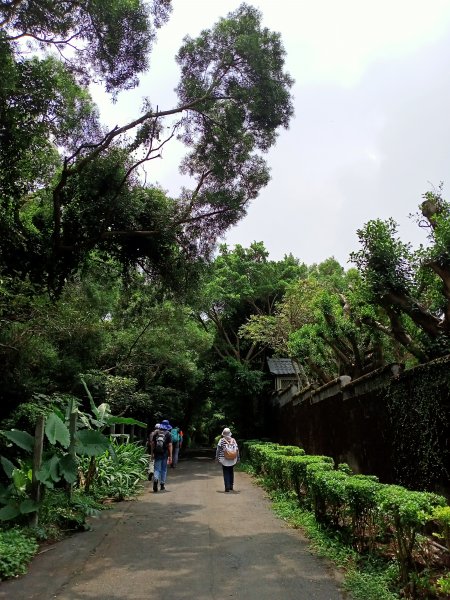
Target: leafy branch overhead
pixel 76 187
pixel 411 288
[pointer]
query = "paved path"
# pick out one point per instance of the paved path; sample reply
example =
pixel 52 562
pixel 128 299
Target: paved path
pixel 192 541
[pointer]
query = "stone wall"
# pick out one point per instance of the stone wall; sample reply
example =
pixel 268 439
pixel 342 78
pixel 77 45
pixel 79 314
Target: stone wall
pixel 352 421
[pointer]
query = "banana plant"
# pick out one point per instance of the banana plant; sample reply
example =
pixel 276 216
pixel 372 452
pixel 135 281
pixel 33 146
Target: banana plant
pixel 70 435
pixel 15 497
pixel 102 418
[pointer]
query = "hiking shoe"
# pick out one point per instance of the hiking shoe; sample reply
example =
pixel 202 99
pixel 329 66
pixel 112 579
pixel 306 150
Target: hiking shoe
pixel 227 490
pixel 163 486
pixel 155 485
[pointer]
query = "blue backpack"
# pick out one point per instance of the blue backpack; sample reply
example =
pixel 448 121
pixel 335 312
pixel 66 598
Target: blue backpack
pixel 175 435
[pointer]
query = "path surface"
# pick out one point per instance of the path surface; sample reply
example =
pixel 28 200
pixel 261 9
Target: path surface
pixel 192 541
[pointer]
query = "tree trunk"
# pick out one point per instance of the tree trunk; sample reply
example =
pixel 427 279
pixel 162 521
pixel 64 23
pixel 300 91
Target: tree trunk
pixel 37 461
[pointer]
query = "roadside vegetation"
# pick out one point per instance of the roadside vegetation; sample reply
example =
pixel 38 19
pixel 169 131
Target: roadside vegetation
pixel 118 305
pixel 121 471
pixel 390 542
pixel 68 471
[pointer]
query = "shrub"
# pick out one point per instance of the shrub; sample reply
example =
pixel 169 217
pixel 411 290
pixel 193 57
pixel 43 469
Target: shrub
pixel 119 473
pixel 361 494
pixel 372 513
pixel 407 512
pixel 16 550
pixel 441 515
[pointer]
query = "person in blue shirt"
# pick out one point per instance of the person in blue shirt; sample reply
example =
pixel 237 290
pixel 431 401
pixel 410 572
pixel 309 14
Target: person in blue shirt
pixel 177 440
pixel 161 453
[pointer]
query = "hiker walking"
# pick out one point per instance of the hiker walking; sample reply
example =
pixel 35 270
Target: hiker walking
pixel 151 462
pixel 227 453
pixel 176 445
pixel 161 452
pixel 151 435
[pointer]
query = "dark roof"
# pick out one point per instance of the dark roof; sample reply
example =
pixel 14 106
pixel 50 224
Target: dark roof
pixel 281 366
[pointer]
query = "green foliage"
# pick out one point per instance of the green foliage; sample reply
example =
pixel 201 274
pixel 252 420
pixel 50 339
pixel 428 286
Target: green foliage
pixel 441 515
pixel 20 438
pixel 100 40
pixel 56 431
pixel 443 585
pixel 357 508
pixel 411 288
pixel 419 415
pixel 16 550
pixel 120 472
pixel 60 459
pixel 322 321
pixel 407 513
pixel 59 514
pixel 239 284
pixel 369 586
pixel 74 189
pixel 384 259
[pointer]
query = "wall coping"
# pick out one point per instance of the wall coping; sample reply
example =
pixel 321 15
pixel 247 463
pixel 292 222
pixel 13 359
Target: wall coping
pixel 347 387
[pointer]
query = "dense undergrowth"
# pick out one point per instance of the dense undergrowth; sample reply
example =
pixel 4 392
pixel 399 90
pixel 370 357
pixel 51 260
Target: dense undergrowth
pixel 119 474
pixel 391 542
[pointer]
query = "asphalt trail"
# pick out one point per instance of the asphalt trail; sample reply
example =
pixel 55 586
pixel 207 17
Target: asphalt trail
pixel 191 541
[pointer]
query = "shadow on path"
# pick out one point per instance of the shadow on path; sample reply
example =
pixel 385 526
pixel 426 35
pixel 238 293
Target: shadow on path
pixel 190 541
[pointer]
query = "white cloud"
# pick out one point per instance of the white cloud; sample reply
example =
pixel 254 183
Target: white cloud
pixel 371 126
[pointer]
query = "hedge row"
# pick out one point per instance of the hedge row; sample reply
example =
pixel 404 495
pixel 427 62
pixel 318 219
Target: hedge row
pixel 366 511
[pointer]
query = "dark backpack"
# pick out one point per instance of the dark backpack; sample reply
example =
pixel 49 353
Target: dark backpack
pixel 160 442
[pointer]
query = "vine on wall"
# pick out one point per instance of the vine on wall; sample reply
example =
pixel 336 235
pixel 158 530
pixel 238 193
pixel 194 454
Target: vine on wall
pixel 418 405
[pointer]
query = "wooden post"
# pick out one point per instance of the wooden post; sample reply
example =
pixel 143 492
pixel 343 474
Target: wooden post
pixel 122 432
pixel 131 433
pixel 72 431
pixel 37 461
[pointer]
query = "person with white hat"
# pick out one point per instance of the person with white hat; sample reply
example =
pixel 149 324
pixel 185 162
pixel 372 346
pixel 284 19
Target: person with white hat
pixel 227 454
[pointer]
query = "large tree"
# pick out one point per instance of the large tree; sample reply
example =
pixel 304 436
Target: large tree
pixel 240 282
pixel 319 322
pixel 68 186
pixel 411 288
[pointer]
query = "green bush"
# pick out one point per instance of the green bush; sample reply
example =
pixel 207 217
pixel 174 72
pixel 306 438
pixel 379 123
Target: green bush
pixel 361 495
pixel 367 512
pixel 407 513
pixel 16 550
pixel 119 474
pixel 60 514
pixel 441 515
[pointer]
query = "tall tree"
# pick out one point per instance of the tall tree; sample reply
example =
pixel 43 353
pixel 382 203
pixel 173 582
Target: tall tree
pixel 319 322
pixel 243 282
pixel 412 288
pixel 240 283
pixel 233 97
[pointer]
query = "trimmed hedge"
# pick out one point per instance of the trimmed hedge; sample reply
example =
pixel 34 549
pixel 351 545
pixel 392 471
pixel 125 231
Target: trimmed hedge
pixel 359 506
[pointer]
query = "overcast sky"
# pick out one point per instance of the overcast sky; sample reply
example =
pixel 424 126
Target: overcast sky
pixel 371 131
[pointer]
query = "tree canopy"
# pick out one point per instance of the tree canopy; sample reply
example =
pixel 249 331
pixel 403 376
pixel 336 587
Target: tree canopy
pixel 68 186
pixel 411 287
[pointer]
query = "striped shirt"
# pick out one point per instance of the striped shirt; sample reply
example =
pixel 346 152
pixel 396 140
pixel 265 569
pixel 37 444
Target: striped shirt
pixel 227 462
